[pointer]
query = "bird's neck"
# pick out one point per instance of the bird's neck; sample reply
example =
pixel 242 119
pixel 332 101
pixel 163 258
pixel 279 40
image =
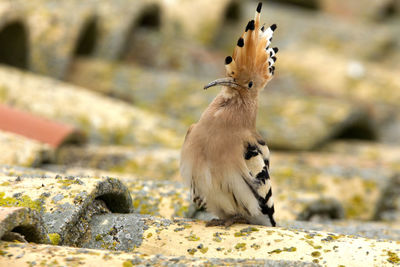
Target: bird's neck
pixel 234 109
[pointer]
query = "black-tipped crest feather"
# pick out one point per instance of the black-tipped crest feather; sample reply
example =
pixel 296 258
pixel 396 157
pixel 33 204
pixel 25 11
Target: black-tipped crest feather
pixel 259 6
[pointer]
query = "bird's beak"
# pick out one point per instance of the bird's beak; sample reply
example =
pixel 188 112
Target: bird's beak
pixel 229 81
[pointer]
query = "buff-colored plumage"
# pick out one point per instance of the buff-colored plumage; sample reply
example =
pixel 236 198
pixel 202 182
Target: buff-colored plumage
pixel 223 159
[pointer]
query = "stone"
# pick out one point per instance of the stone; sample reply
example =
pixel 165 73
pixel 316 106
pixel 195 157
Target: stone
pixel 116 232
pixel 131 83
pixel 19 150
pixel 29 254
pixel 364 10
pixel 188 17
pixel 372 230
pixel 388 206
pixel 66 204
pixel 244 241
pixel 103 29
pixel 312 69
pixel 102 119
pixel 156 164
pixel 54 33
pixel 321 120
pixel 118 20
pixel 24 222
pixel 322 117
pixel 168 199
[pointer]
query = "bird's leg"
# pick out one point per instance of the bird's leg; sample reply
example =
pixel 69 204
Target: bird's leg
pixel 227 222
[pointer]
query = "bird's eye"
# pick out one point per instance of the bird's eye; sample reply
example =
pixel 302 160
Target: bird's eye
pixel 250 84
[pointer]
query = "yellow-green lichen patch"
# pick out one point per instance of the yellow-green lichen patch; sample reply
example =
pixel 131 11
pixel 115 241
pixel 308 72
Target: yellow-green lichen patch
pixel 393 257
pixel 316 254
pixel 356 207
pixel 192 251
pixel 277 251
pixel 192 237
pixel 240 246
pixel 204 250
pixel 127 264
pixel 217 237
pixel 99 237
pixel 311 243
pixel 246 231
pixel 21 201
pixel 54 238
pixel 300 245
pixel 67 182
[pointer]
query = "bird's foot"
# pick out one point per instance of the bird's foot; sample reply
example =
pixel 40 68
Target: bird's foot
pixel 215 222
pixel 227 222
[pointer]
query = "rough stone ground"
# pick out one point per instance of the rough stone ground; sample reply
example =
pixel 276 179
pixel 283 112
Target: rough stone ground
pixel 119 199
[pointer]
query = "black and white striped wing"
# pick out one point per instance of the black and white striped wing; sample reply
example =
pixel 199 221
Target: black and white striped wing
pixel 257 161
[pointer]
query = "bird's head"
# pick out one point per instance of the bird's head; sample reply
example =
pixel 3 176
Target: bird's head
pixel 251 66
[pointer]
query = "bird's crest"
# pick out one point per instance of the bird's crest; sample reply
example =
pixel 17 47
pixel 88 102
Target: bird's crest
pixel 252 53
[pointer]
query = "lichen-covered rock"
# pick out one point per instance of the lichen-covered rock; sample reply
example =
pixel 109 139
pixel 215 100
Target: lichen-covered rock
pixel 116 232
pixel 388 207
pixel 22 222
pixel 156 164
pixel 18 150
pixel 117 21
pixel 179 96
pixel 319 243
pixel 364 9
pixel 188 17
pixel 372 230
pixel 104 120
pixel 160 198
pixel 54 33
pixel 305 178
pixel 243 241
pixel 321 117
pixel 15 254
pixel 65 203
pixel 361 80
pixel 385 156
pixel 103 28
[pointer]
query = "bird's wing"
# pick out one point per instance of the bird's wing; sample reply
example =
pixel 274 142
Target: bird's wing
pixel 257 161
pixel 195 195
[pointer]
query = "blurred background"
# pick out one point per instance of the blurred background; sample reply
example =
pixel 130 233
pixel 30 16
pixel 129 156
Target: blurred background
pixel 109 87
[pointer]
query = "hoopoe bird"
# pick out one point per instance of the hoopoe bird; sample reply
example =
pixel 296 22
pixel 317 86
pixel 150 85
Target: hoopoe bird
pixel 224 159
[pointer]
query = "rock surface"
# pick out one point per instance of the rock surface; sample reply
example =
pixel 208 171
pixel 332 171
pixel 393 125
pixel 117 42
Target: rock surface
pixel 104 120
pixel 322 117
pixel 22 221
pixel 65 203
pixel 241 241
pixel 31 254
pixel 156 164
pixel 18 150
